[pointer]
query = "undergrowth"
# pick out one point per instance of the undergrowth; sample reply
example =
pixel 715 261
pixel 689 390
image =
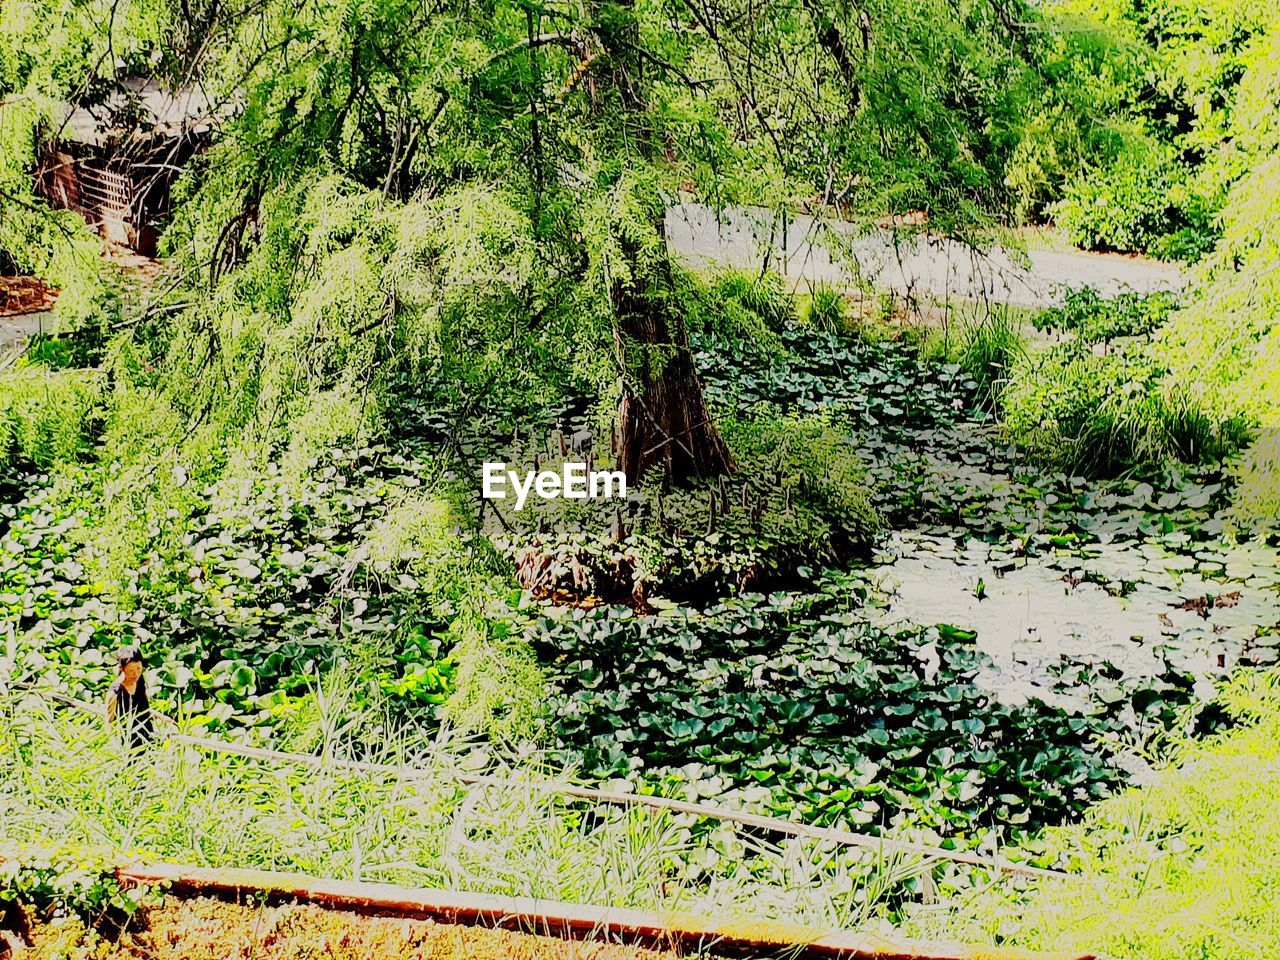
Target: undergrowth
pixel 1183 866
pixel 48 417
pixel 66 776
pixel 797 501
pixel 1076 410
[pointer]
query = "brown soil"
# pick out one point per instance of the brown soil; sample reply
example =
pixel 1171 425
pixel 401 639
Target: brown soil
pixel 23 295
pixel 206 929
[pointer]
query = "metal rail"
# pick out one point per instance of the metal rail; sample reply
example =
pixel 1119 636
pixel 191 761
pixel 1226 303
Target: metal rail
pixel 563 920
pixel 882 845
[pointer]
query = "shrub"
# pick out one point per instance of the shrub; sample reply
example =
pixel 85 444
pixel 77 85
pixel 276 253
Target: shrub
pixel 1096 319
pixel 1123 204
pixel 798 499
pixel 759 294
pixel 826 309
pixel 1078 411
pixel 46 417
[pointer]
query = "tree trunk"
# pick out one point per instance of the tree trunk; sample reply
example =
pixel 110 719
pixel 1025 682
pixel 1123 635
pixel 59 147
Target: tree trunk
pixel 663 421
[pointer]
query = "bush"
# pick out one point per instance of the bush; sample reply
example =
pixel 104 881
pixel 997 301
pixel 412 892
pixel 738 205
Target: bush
pixel 759 294
pixel 46 417
pixel 1124 204
pixel 1075 410
pixel 1096 319
pixel 798 499
pixel 826 309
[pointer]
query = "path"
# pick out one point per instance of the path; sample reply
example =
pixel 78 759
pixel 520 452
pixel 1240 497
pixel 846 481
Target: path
pixel 16 329
pixel 833 251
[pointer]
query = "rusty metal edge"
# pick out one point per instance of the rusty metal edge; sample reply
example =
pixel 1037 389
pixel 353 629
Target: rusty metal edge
pixel 565 920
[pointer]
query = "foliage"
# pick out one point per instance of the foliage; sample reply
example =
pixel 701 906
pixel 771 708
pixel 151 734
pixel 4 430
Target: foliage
pixel 797 703
pixel 1224 345
pixel 1256 505
pixel 1083 412
pixel 991 347
pixel 1133 146
pixel 826 309
pixel 797 501
pixel 1097 319
pixel 47 417
pixel 55 245
pixel 863 382
pixel 1124 204
pixel 423 230
pixel 65 776
pixel 66 879
pixel 266 586
pixel 1183 866
pixel 760 295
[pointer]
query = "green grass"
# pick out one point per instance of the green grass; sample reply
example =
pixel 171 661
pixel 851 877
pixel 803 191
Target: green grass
pixel 64 781
pixel 990 346
pixel 1184 868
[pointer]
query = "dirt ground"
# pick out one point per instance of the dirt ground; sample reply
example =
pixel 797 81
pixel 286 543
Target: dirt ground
pixel 23 295
pixel 206 929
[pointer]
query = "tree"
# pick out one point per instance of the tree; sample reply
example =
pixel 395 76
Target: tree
pixel 582 121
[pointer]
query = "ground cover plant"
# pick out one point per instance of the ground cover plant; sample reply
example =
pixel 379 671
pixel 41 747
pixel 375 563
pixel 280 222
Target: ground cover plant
pixel 799 703
pixel 1096 319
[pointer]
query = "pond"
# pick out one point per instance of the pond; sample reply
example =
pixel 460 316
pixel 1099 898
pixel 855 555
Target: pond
pixel 1137 573
pixel 1134 605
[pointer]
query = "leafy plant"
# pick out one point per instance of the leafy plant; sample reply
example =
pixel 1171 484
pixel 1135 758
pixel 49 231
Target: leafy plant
pixel 1159 867
pixel 798 703
pixel 1082 412
pixel 66 879
pixel 47 417
pixel 1097 319
pixel 826 309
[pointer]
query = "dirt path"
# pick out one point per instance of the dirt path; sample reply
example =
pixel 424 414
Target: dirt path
pixel 812 251
pixel 16 330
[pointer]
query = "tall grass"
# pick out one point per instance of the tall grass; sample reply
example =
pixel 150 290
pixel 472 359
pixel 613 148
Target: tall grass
pixel 1090 414
pixel 1185 867
pixel 65 780
pixel 991 345
pixel 826 309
